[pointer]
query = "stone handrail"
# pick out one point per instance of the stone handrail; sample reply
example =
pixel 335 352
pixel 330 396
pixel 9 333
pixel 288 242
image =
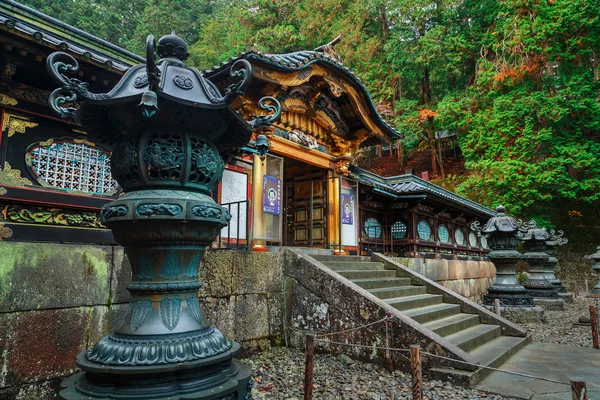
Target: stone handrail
pixel 467 306
pixel 357 304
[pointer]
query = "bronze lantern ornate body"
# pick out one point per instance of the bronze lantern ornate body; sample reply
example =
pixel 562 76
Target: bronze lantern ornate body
pixel 169 128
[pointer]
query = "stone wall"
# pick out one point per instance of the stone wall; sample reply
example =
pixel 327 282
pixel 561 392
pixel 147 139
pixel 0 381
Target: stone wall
pixel 470 279
pixel 58 299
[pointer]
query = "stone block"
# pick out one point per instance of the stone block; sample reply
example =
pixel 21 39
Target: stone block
pixel 275 309
pixel 42 345
pixel 220 312
pixel 121 276
pixel 465 288
pixel 484 269
pixel 474 287
pixel 483 285
pixel 105 320
pixel 456 269
pixel 45 390
pixel 216 273
pixel 257 272
pixel 471 269
pixel 251 317
pixel 492 271
pixel 36 276
pixel 436 270
pixel 416 264
pixel 308 312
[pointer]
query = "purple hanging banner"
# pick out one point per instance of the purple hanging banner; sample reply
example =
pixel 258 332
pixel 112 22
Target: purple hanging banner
pixel 347 209
pixel 271 195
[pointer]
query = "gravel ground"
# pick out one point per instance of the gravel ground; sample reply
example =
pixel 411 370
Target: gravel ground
pixel 559 328
pixel 279 374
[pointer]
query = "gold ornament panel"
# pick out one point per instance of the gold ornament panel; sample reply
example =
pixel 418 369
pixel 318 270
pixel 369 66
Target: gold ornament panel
pixel 12 177
pixel 16 123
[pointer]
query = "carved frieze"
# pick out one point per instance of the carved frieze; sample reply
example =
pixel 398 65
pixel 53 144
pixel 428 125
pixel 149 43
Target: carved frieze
pixel 399 206
pixel 28 214
pixel 422 207
pixel 445 214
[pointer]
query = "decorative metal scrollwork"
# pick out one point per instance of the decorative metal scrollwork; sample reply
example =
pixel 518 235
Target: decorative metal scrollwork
pixel 556 238
pixel 71 90
pixel 240 69
pixel 151 70
pixel 265 120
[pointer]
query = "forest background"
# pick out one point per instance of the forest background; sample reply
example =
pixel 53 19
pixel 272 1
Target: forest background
pixel 516 81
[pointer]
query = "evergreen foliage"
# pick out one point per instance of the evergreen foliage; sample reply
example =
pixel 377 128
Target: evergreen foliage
pixel 516 80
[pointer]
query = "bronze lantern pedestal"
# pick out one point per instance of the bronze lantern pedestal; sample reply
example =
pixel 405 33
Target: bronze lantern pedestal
pixel 169 127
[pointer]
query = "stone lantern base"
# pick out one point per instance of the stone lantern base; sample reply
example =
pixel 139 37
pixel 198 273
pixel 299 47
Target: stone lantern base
pixel 217 378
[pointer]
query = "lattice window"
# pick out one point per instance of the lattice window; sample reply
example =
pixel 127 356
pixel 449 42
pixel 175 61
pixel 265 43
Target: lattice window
pixel 72 166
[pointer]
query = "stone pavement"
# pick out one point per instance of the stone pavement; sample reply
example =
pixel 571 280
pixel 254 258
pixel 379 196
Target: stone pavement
pixel 550 361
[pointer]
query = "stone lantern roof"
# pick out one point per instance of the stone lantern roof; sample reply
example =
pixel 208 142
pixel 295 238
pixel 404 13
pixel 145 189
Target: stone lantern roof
pixel 530 232
pixel 500 224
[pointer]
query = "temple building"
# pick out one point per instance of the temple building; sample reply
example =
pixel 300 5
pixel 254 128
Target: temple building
pixel 304 192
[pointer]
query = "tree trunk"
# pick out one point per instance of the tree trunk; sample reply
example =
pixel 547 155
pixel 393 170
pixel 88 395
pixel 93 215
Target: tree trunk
pixel 440 160
pixel 400 153
pixel 385 28
pixel 434 167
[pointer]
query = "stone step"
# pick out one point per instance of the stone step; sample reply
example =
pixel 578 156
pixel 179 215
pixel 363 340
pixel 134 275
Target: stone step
pixel 492 354
pixel 323 258
pixel 379 283
pixel 346 265
pixel 431 313
pixel 495 353
pixel 478 335
pixel 401 291
pixel 364 274
pixel 449 325
pixel 416 301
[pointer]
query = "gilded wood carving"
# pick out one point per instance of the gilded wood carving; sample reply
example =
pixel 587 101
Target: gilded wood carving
pixel 16 123
pixel 12 177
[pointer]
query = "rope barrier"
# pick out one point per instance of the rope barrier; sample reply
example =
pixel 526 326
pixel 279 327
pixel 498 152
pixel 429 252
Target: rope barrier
pixel 316 335
pixel 445 358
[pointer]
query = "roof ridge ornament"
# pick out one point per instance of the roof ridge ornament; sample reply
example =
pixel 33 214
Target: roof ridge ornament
pixel 329 50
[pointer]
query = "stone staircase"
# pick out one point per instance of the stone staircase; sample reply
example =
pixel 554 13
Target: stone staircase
pixel 455 319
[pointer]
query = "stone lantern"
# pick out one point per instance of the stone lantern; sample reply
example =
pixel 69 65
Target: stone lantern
pixel 501 231
pixel 541 289
pixel 596 258
pixel 556 239
pixel 169 127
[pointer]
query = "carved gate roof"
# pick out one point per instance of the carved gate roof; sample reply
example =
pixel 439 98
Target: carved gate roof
pixel 296 69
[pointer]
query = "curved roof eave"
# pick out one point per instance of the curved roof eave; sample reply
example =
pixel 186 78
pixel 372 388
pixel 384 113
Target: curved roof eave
pixel 57 34
pixel 300 60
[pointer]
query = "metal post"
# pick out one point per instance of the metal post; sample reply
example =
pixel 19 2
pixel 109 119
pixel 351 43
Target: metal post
pixel 417 377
